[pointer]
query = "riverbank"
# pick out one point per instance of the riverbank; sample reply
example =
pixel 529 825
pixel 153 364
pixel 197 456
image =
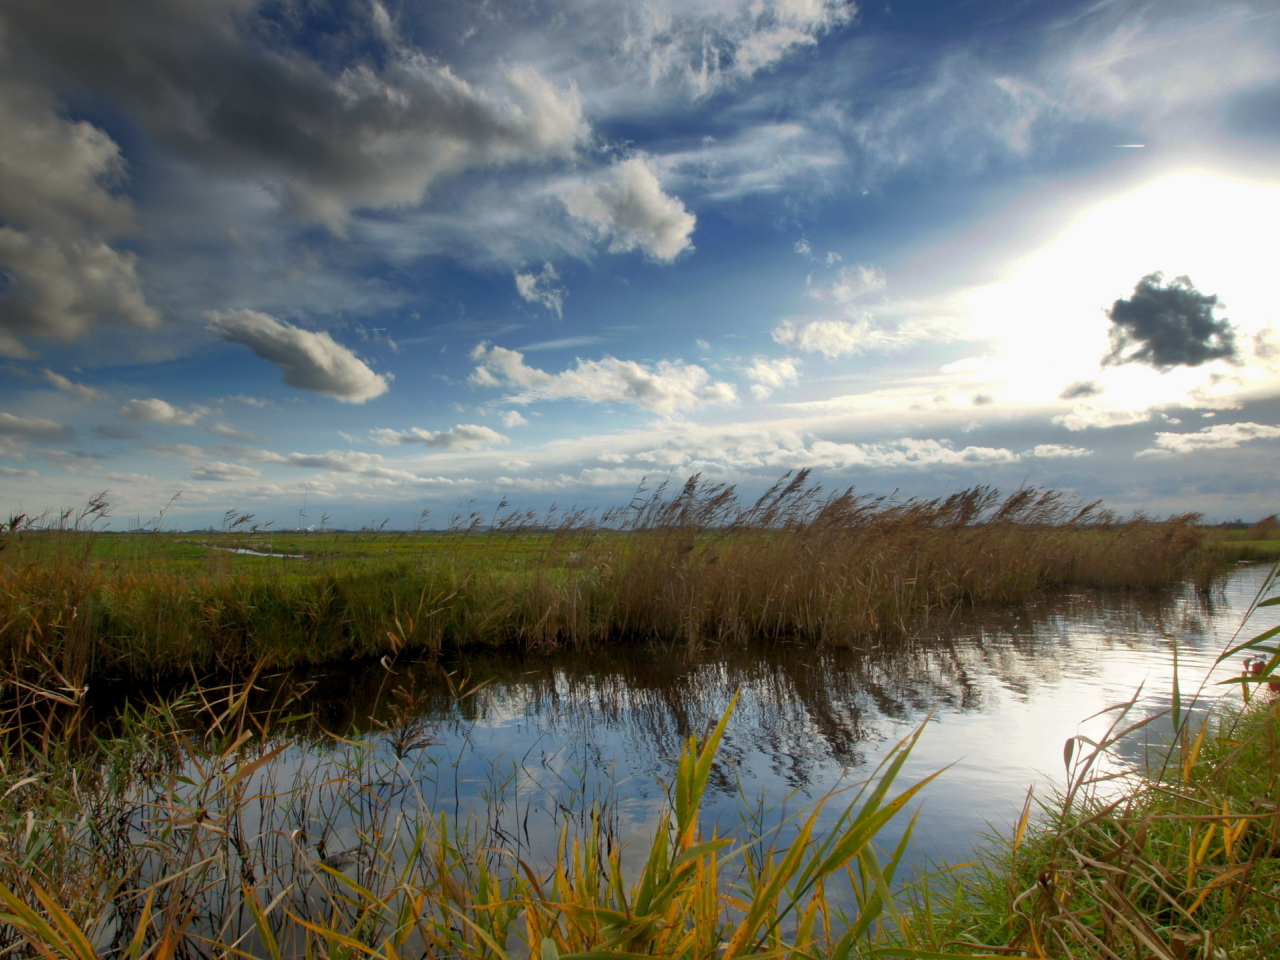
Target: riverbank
pixel 695 567
pixel 1177 858
pixel 1180 861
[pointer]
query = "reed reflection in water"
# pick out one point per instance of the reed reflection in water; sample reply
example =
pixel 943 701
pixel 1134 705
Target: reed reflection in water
pixel 1004 690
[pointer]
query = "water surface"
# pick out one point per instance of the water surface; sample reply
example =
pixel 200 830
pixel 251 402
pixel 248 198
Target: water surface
pixel 1000 691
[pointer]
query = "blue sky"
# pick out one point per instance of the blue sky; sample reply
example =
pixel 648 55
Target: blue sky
pixel 391 256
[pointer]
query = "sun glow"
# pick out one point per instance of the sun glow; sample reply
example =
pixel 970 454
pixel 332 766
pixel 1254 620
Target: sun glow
pixel 1046 322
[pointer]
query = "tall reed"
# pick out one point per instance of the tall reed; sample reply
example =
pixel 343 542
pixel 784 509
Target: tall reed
pixel 691 565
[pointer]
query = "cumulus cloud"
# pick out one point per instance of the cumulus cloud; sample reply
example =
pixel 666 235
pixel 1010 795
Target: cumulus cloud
pixel 220 472
pixel 79 390
pixel 33 428
pixel 540 288
pixel 378 133
pixel 627 204
pixel 1080 389
pixel 59 215
pixel 465 436
pixel 513 418
pixel 309 360
pixel 156 410
pixel 61 287
pixel 768 375
pixel 1221 436
pixel 1168 325
pixel 665 387
pixel 833 337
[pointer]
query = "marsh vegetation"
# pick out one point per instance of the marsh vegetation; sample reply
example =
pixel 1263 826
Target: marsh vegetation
pixel 232 815
pixel 694 565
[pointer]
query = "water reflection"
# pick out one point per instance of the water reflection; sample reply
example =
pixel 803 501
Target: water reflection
pixel 1003 689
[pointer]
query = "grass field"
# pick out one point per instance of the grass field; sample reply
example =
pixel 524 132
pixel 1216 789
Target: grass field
pixel 692 565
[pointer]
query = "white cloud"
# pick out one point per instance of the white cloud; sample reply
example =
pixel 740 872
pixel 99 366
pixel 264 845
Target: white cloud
pixel 15 473
pixel 220 472
pixel 1086 415
pixel 787 450
pixel 309 360
pixel 513 418
pixel 540 288
pixel 80 390
pixel 848 328
pixel 1220 436
pixel 465 436
pixel 627 204
pixel 156 410
pixel 1051 451
pixel 33 428
pixel 665 387
pixel 768 375
pixel 832 337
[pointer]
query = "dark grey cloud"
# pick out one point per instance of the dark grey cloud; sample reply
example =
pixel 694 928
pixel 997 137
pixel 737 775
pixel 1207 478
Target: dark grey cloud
pixel 214 81
pixel 59 214
pixel 1168 325
pixel 1079 389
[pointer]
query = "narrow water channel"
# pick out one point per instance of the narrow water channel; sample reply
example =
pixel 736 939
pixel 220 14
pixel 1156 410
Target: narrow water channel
pixel 542 738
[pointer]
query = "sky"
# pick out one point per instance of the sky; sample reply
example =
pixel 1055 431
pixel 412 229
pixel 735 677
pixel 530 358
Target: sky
pixel 340 262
